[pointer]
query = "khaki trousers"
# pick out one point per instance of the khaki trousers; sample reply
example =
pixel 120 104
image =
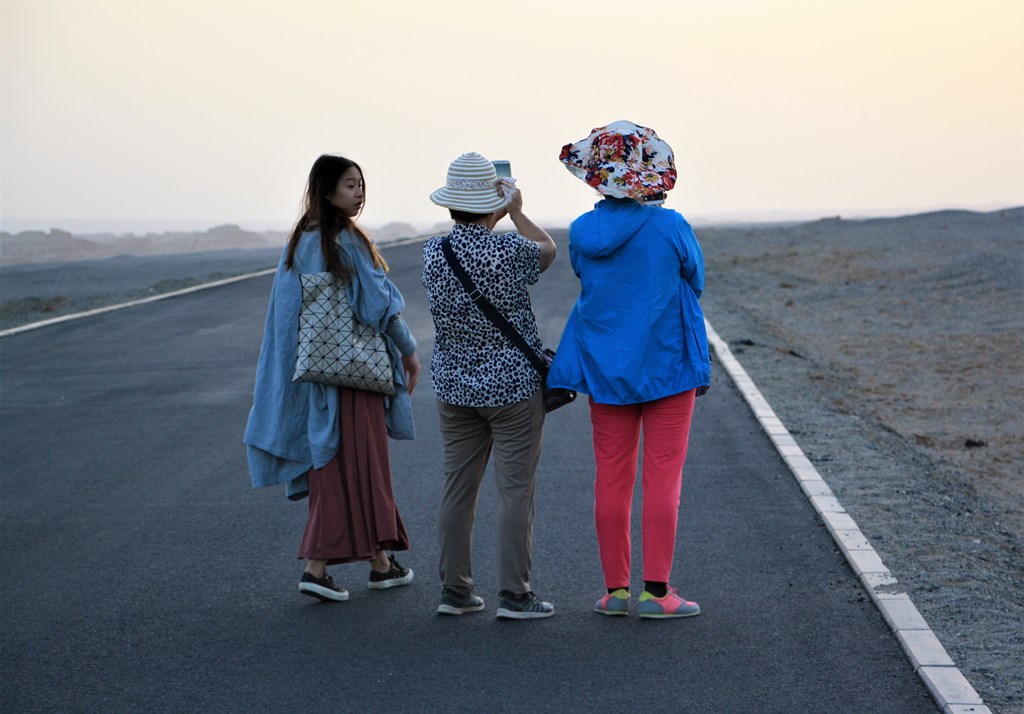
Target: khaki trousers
pixel 470 434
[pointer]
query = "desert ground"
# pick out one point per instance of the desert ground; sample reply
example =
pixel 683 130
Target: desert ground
pixel 892 349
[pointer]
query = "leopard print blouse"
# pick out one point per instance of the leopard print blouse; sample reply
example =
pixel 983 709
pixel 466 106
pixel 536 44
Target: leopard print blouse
pixel 474 364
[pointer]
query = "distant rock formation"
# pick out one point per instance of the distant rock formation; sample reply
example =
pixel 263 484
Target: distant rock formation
pixel 40 247
pixel 58 246
pixel 398 231
pixel 391 231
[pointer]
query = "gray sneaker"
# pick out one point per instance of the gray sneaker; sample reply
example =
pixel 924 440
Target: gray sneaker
pixel 455 603
pixel 528 608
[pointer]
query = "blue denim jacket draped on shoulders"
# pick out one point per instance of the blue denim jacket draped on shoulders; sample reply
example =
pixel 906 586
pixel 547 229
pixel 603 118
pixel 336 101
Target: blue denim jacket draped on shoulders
pixel 293 426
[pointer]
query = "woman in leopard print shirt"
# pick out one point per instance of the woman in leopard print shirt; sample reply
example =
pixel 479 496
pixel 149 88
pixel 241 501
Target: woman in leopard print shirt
pixel 489 396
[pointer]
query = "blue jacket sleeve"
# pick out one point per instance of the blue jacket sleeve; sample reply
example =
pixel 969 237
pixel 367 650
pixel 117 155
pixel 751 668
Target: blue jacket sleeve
pixel 693 259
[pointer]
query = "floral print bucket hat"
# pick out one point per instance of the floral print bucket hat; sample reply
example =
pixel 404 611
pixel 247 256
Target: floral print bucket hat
pixel 623 160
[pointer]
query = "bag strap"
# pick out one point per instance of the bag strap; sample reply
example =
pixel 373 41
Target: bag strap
pixel 490 311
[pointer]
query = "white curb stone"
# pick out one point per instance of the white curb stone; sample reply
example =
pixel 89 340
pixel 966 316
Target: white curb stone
pixel 839 522
pixel 949 686
pixel 966 709
pixel 924 649
pixel 900 612
pixel 815 487
pixel 873 582
pixel 827 504
pixel 852 540
pixel 866 561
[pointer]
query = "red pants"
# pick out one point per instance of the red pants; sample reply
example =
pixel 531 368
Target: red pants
pixel 666 429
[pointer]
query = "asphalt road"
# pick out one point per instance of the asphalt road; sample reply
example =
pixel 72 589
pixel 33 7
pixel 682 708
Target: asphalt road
pixel 140 572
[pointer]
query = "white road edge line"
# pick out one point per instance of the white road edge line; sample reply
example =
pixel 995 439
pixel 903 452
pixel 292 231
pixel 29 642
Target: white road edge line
pixel 176 293
pixel 133 303
pixel 946 683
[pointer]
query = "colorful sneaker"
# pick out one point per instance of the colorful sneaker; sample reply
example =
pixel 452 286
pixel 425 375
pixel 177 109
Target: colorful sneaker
pixel 614 603
pixel 321 588
pixel 396 575
pixel 529 607
pixel 455 603
pixel 671 605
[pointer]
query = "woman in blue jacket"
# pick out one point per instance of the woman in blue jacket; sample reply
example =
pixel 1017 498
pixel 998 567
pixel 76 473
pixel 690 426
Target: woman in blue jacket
pixel 636 343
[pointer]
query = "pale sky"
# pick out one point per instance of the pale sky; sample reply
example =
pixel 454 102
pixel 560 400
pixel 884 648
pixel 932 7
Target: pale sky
pixel 137 115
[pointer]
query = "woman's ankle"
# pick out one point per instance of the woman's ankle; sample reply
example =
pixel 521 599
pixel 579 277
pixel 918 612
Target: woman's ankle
pixel 316 567
pixel 380 562
pixel 657 589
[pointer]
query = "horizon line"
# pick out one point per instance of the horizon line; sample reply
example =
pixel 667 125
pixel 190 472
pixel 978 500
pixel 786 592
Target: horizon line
pixel 135 226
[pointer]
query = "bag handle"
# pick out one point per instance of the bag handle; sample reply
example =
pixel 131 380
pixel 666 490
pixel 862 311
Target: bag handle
pixel 490 311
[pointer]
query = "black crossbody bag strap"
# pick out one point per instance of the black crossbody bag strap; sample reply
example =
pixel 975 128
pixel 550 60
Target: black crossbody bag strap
pixel 492 313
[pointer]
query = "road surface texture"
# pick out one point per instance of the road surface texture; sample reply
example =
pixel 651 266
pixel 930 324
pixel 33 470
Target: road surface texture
pixel 141 572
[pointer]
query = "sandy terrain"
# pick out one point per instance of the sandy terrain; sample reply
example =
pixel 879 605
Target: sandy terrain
pixel 32 292
pixel 892 349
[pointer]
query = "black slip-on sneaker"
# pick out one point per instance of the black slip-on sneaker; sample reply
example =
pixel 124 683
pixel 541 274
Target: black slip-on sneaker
pixel 396 575
pixel 322 588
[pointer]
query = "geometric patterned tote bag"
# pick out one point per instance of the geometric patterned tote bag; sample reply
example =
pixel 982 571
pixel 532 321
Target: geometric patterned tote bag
pixel 334 348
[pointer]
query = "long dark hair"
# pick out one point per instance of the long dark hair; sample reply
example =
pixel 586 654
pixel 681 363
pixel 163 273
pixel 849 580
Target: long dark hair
pixel 319 214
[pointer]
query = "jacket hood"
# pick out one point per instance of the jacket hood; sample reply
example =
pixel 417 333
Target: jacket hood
pixel 610 226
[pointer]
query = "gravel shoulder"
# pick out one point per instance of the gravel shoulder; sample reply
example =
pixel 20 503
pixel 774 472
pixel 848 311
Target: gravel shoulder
pixel 892 349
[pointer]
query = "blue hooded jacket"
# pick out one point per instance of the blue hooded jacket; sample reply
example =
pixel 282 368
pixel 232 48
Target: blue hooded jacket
pixel 636 332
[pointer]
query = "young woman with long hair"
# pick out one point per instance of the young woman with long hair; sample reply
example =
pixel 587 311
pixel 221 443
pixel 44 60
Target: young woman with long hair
pixel 326 442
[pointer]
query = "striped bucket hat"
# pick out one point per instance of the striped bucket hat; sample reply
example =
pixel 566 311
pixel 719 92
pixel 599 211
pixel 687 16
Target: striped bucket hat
pixel 472 186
